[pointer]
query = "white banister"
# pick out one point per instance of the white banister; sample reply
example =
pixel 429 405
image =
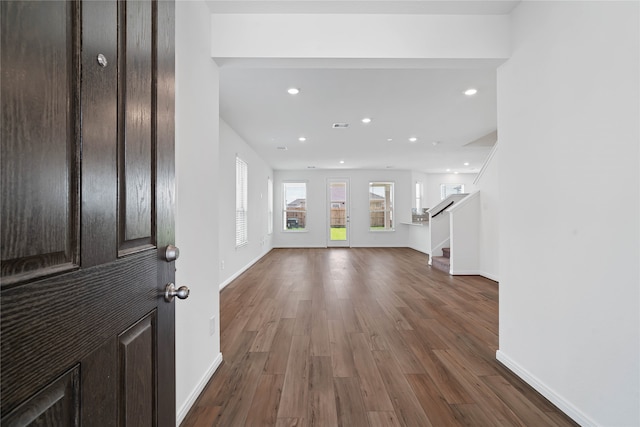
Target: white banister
pixel 486 163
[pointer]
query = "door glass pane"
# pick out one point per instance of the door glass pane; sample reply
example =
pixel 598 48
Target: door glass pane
pixel 338 212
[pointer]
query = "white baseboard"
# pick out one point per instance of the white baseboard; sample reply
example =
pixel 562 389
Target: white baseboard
pixel 562 404
pixel 301 247
pixel 193 396
pixel 242 270
pixel 489 276
pixel 422 250
pixel 475 273
pixel 465 273
pixel 380 245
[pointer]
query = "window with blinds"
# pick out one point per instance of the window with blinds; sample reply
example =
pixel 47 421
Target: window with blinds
pixel 419 197
pixel 241 202
pixel 269 206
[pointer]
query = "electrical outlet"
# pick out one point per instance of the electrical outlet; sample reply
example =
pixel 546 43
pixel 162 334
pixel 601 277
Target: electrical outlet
pixel 212 325
pixel 222 265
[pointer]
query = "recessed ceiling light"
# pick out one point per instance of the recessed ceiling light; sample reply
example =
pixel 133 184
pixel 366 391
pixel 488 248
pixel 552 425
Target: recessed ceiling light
pixel 342 162
pixel 434 143
pixel 293 91
pixel 471 91
pixel 302 139
pixel 466 163
pixel 448 170
pixel 456 172
pixel 366 120
pixel 413 139
pixel 389 139
pixel 283 148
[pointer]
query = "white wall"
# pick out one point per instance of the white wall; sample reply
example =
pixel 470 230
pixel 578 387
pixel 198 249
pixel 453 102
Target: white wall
pixel 368 36
pixel 317 211
pixel 236 260
pixel 568 120
pixel 197 352
pixel 432 185
pixel 489 187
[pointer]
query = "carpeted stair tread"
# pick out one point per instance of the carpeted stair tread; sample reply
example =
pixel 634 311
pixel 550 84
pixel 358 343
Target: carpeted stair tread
pixel 441 263
pixel 446 252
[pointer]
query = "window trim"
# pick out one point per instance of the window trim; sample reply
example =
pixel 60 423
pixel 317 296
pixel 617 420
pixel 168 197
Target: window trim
pixel 269 206
pixel 390 210
pixel 419 199
pixel 444 187
pixel 283 227
pixel 242 193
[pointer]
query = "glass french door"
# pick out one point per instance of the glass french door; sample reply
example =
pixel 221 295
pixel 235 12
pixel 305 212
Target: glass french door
pixel 338 205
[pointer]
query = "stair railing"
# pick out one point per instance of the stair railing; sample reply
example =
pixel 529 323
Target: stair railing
pixel 439 232
pixel 442 210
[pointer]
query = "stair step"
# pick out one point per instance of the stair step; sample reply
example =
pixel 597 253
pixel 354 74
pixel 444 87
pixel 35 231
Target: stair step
pixel 441 263
pixel 446 252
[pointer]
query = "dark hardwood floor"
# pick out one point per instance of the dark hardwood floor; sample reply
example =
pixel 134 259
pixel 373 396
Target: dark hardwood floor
pixel 362 337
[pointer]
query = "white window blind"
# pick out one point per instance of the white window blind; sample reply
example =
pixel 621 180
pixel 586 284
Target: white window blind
pixel 269 206
pixel 418 197
pixel 241 202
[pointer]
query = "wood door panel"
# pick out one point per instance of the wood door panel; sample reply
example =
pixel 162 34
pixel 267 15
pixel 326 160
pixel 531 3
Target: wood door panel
pixel 39 108
pixel 99 133
pixel 99 386
pixel 137 370
pixel 58 404
pixel 56 322
pixel 135 142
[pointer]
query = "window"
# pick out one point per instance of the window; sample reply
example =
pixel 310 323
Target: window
pixel 418 197
pixel 448 189
pixel 241 202
pixel 381 206
pixel 269 206
pixel 295 206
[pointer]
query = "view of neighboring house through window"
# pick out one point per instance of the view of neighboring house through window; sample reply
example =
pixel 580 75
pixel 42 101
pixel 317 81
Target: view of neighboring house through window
pixel 381 206
pixel 295 206
pixel 418 197
pixel 241 202
pixel 448 189
pixel 269 206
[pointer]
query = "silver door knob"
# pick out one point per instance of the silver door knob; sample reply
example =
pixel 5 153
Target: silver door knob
pixel 171 253
pixel 170 292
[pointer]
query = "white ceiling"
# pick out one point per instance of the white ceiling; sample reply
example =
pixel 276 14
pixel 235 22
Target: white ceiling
pixel 441 7
pixel 427 103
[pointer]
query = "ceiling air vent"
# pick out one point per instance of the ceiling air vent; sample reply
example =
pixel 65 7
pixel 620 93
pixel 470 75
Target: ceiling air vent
pixel 340 125
pixel 283 148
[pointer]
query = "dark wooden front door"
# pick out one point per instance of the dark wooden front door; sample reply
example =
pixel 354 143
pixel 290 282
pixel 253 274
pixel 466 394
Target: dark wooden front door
pixel 87 212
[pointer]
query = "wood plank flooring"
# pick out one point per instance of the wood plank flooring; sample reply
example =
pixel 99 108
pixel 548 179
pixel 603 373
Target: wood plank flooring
pixel 362 337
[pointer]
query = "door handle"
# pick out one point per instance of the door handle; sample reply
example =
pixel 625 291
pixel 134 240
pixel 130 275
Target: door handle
pixel 170 292
pixel 171 253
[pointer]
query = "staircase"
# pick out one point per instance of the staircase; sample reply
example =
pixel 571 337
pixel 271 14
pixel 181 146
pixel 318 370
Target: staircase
pixel 442 262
